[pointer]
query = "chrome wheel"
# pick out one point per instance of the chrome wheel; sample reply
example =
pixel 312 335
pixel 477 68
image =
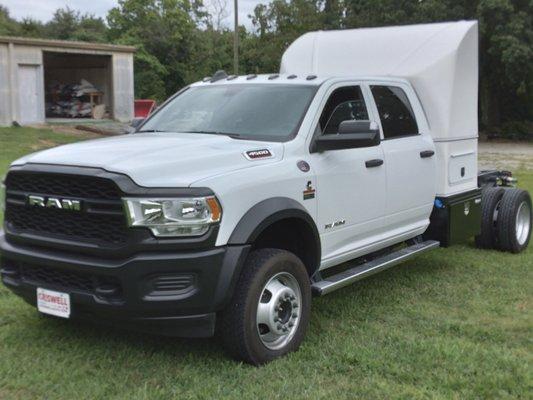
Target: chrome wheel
pixel 279 310
pixel 523 223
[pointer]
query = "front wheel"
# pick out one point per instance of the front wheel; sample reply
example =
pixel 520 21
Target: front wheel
pixel 269 311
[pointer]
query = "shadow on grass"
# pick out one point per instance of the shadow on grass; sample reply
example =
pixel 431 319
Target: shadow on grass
pixel 114 338
pixel 371 297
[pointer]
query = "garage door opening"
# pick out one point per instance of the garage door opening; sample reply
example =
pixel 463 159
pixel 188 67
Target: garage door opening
pixel 77 86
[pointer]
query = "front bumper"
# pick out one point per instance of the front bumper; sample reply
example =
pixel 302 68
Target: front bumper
pixel 170 293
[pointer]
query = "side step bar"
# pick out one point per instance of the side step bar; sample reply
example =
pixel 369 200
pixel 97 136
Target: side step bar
pixel 362 271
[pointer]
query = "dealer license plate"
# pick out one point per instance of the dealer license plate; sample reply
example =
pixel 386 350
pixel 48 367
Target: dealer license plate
pixel 53 303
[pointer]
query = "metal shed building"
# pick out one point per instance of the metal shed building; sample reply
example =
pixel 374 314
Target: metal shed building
pixel 28 67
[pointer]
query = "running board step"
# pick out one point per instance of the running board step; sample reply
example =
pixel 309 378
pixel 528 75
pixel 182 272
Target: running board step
pixel 362 271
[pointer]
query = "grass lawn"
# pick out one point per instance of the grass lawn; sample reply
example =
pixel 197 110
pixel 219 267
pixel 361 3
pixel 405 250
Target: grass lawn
pixel 453 323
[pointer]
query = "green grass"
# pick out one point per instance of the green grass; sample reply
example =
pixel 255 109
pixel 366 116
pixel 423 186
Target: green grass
pixel 451 324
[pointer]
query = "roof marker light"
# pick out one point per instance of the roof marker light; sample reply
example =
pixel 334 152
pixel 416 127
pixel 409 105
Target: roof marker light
pixel 220 74
pixel 232 77
pixel 292 76
pixel 311 77
pixel 251 77
pixel 273 77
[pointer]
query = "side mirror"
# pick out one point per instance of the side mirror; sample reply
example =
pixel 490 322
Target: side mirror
pixel 351 127
pixel 352 135
pixel 136 122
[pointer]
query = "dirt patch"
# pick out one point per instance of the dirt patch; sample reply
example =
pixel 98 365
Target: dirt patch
pixel 69 130
pixel 43 143
pixel 66 129
pixel 506 155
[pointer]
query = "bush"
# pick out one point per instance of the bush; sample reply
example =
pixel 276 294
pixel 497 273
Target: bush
pixel 517 130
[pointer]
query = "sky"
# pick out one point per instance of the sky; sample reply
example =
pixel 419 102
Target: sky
pixel 43 9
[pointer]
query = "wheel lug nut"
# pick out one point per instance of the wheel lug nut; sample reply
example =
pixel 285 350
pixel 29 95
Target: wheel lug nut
pixel 295 305
pixel 279 326
pixel 294 315
pixel 291 324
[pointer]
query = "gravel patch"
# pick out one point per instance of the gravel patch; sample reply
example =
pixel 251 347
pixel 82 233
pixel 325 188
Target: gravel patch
pixel 505 155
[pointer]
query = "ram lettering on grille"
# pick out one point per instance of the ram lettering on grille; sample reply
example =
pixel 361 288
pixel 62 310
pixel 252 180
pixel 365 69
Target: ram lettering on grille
pixel 52 202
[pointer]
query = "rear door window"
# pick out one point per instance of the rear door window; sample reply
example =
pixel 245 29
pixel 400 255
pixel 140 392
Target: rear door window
pixel 395 111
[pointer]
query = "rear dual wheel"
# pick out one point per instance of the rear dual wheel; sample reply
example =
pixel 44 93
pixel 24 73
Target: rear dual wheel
pixel 506 219
pixel 514 221
pixel 491 199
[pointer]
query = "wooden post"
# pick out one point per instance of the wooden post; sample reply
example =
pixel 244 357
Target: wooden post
pixel 236 40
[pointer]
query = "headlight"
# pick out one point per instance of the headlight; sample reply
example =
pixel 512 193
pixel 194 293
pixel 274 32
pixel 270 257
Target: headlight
pixel 173 217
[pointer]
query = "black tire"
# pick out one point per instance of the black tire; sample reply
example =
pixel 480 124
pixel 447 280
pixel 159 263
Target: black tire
pixel 490 198
pixel 238 325
pixel 508 236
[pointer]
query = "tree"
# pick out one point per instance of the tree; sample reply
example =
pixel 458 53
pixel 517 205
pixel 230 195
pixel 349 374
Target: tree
pixel 506 61
pixel 277 25
pixel 218 12
pixel 63 24
pixel 165 29
pixel 68 24
pixel 32 28
pixel 8 26
pixel 90 29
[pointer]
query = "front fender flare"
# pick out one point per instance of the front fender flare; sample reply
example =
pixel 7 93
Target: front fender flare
pixel 267 212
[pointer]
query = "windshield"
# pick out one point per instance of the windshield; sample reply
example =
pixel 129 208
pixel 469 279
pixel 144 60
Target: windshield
pixel 247 111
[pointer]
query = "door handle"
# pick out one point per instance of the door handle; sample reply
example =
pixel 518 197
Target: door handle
pixel 426 153
pixel 374 163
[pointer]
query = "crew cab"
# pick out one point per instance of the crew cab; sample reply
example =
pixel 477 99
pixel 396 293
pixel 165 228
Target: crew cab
pixel 229 206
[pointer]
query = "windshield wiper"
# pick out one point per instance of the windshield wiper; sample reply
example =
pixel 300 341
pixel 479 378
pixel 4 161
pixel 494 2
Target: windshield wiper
pixel 233 135
pixel 150 131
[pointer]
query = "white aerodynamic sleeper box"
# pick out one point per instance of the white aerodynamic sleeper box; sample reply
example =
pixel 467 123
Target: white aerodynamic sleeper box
pixel 439 60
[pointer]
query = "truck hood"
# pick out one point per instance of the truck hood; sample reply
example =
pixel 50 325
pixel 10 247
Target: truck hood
pixel 160 159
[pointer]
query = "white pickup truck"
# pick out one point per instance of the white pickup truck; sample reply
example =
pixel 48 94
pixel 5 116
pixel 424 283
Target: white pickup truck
pixel 230 205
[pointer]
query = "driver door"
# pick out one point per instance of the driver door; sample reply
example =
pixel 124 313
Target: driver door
pixel 350 182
